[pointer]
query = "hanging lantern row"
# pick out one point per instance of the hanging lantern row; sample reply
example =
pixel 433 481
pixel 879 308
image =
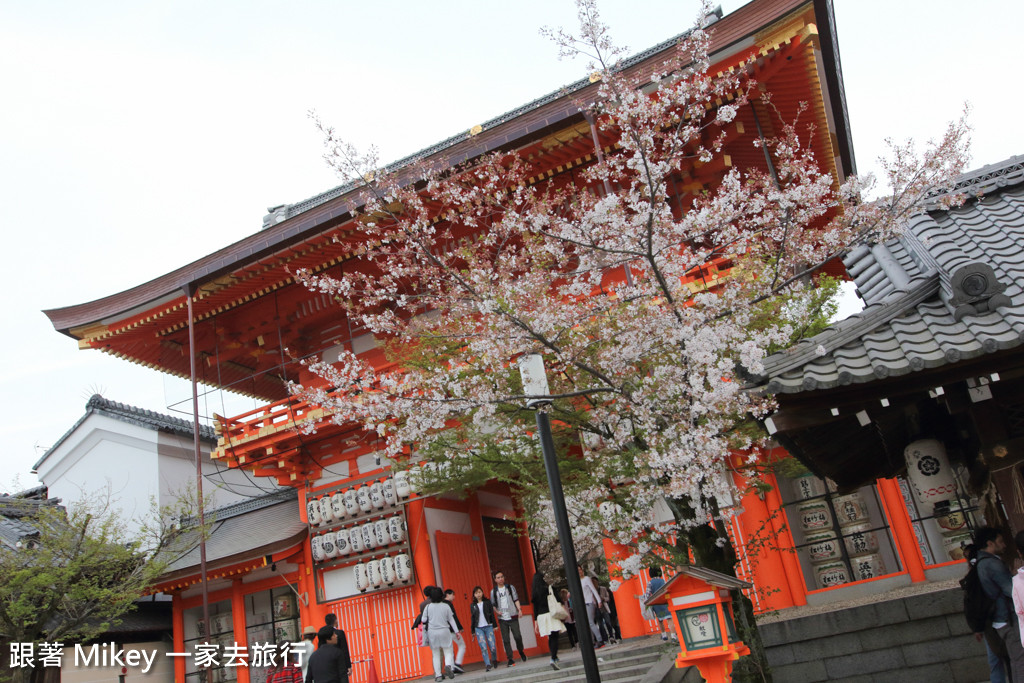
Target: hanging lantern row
pixel 357 539
pixel 382 573
pixel 356 501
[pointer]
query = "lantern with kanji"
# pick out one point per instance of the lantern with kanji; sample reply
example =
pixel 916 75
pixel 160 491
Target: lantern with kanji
pixel 698 600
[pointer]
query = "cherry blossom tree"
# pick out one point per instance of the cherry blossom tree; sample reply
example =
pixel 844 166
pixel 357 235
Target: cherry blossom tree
pixel 648 314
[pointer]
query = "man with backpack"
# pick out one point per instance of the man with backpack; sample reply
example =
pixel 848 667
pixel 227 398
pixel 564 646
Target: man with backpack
pixel 995 581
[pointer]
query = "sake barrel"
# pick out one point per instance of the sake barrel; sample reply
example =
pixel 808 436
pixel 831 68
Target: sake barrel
pixel 284 606
pixel 954 544
pixel 929 472
pixel 403 567
pixel 362 580
pixel 376 495
pixel 387 489
pixel 823 546
pixel 814 515
pixel 860 540
pixel 316 545
pixel 808 486
pixel 380 533
pixel 831 574
pixel 867 567
pixel 369 536
pixel 355 539
pixel 402 489
pixel 285 631
pixel 951 516
pixel 373 573
pixel 363 498
pixel 342 540
pixel 387 571
pixel 396 529
pixel 351 504
pixel 850 509
pixel 326 513
pixel 330 546
pixel 338 506
pixel 313 511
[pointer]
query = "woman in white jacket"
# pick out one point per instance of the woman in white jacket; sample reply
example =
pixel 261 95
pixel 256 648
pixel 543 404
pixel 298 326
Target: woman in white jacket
pixel 439 625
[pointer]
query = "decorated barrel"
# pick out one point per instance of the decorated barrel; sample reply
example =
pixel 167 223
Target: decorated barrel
pixel 284 606
pixel 850 509
pixel 814 515
pixel 867 567
pixel 831 574
pixel 860 540
pixel 823 546
pixel 954 544
pixel 808 486
pixel 929 472
pixel 951 516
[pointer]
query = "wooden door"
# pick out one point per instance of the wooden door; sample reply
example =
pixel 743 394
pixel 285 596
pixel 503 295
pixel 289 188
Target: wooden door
pixel 462 567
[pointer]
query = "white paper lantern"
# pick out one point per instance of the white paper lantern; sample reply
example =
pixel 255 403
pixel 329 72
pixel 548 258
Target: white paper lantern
pixel 396 529
pixel 929 472
pixel 387 489
pixel 380 533
pixel 373 573
pixel 363 498
pixel 377 495
pixel 351 504
pixel 414 479
pixel 362 580
pixel 330 546
pixel 355 539
pixel 387 571
pixel 316 545
pixel 369 536
pixel 403 567
pixel 326 513
pixel 341 539
pixel 313 511
pixel 338 506
pixel 402 489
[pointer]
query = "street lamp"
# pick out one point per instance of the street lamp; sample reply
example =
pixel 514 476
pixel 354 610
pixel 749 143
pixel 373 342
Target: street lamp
pixel 535 383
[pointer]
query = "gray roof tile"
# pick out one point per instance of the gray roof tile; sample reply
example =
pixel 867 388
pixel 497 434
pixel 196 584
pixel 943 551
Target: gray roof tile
pixel 908 323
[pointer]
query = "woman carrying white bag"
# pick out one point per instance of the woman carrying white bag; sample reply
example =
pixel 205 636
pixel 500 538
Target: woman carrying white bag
pixel 548 614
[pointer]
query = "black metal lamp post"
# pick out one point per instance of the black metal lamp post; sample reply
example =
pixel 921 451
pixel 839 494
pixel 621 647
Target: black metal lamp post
pixel 535 383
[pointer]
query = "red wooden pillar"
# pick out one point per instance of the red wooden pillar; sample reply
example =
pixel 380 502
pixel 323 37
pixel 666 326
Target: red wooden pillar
pixel 238 625
pixel 785 546
pixel 627 602
pixel 419 541
pixel 762 542
pixel 178 633
pixel 902 529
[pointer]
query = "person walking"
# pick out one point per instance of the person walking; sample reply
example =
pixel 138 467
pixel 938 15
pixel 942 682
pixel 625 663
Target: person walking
pixel 507 607
pixel 570 623
pixel 286 671
pixel 661 614
pixel 608 612
pixel 439 625
pixel 306 649
pixel 331 662
pixel 457 640
pixel 481 616
pixel 593 600
pixel 998 586
pixel 544 622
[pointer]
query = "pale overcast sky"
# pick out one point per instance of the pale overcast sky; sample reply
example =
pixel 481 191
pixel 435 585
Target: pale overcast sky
pixel 140 136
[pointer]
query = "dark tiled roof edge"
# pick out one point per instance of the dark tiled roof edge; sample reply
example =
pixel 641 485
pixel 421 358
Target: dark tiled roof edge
pixel 257 503
pixel 132 415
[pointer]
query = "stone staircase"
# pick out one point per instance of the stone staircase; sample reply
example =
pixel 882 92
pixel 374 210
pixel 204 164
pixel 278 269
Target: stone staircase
pixel 639 660
pixel 920 637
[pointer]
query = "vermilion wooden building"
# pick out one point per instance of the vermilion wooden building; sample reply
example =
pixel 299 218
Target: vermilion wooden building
pixel 245 309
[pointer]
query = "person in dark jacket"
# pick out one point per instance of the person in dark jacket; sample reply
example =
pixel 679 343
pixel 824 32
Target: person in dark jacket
pixel 481 619
pixel 331 662
pixel 457 640
pixel 996 581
